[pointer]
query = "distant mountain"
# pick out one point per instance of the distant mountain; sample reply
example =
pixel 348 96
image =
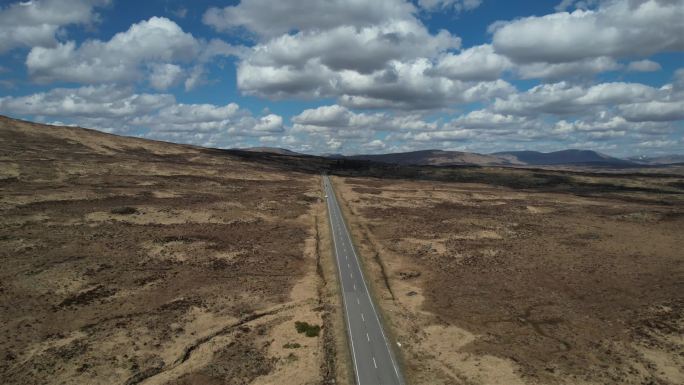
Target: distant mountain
pixel 564 157
pixel 273 150
pixel 437 158
pixel 658 160
pixel 570 157
pixel 332 155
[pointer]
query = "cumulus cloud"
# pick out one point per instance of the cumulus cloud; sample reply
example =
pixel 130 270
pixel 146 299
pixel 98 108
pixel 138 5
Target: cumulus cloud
pixel 564 98
pixel 35 23
pixel 387 59
pixel 654 111
pixel 269 19
pixel 475 63
pixel 577 4
pixel 456 5
pixel 164 76
pixel 117 60
pixel 616 29
pixel 556 71
pixel 120 109
pixel 341 120
pixel 105 101
pixel 386 74
pixel 362 50
pixel 643 66
pixel 381 66
pixel 405 85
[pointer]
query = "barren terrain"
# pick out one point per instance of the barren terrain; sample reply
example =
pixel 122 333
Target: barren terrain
pixel 575 281
pixel 127 261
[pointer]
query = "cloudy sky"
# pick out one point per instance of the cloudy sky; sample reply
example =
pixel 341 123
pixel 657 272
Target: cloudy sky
pixel 354 76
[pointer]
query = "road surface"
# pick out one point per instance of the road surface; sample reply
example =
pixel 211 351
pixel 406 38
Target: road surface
pixel 374 363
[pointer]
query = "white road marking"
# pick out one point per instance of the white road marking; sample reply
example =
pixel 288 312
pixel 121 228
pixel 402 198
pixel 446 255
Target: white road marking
pixel 363 280
pixel 358 300
pixel 340 226
pixel 346 311
pixel 363 318
pixel 351 275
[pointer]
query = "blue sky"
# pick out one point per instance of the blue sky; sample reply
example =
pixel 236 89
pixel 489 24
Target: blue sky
pixel 354 76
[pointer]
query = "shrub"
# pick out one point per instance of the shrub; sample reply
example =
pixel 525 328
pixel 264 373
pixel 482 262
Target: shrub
pixel 124 210
pixel 292 345
pixel 308 330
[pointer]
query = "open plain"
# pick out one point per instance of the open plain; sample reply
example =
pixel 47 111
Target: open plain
pixel 577 282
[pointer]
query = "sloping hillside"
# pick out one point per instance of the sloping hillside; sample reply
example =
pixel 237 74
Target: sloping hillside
pixel 436 158
pixel 273 150
pixel 564 157
pixel 130 261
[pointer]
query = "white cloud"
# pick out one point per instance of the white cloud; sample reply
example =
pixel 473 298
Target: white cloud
pixel 363 50
pixel 557 71
pixel 120 109
pixel 325 116
pixel 379 66
pixel 456 5
pixel 35 23
pixel 269 123
pixel 374 145
pixel 654 111
pixel 195 78
pixel 615 29
pixel 475 63
pixel 105 101
pixel 341 121
pixel 644 66
pixel 268 19
pixel 577 4
pixel 164 76
pixel 121 59
pixel 564 98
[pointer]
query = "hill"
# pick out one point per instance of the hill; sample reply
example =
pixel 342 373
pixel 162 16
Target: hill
pixel 127 260
pixel 436 158
pixel 564 157
pixel 273 150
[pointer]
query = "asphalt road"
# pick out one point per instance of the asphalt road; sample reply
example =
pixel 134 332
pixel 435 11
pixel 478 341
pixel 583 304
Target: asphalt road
pixel 374 363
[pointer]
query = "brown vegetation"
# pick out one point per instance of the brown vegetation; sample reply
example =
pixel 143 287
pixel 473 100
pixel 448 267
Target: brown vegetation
pixel 131 261
pixel 576 282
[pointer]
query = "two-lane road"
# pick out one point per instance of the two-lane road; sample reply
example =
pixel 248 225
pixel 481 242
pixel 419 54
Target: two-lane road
pixel 374 363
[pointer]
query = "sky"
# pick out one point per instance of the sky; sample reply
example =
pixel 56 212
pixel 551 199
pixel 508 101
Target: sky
pixel 354 76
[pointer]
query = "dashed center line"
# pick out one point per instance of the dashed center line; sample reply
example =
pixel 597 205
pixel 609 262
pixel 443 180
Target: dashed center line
pixel 367 337
pixel 362 318
pixel 374 364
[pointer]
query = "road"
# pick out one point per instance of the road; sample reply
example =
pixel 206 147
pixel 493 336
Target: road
pixel 374 362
